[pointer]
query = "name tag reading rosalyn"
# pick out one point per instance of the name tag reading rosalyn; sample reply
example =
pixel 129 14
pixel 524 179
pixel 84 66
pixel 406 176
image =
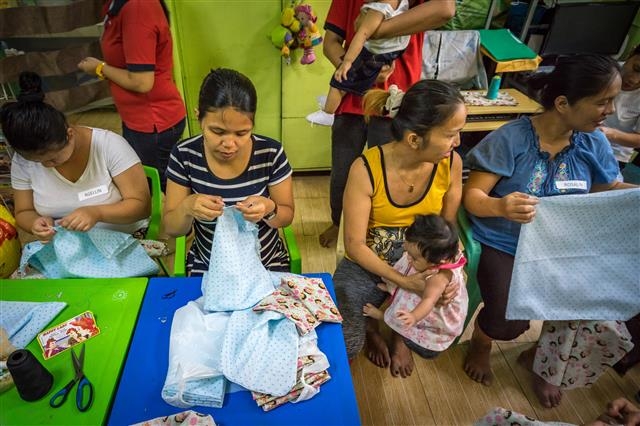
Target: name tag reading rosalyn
pixel 571 184
pixel 93 192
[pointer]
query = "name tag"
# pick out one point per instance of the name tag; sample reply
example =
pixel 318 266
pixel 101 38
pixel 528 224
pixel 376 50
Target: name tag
pixel 93 192
pixel 571 184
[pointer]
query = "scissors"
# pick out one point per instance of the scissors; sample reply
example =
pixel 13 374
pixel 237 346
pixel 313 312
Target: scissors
pixel 61 396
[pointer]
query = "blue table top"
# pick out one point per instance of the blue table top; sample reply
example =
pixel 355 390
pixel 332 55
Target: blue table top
pixel 139 394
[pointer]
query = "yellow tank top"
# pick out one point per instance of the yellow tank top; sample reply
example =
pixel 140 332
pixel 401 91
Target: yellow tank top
pixel 388 220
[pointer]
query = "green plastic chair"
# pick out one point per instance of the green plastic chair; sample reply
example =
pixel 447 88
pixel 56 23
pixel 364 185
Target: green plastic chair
pixel 472 251
pixel 155 221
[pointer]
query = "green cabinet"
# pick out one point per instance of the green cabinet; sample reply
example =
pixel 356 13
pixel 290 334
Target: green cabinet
pixel 233 34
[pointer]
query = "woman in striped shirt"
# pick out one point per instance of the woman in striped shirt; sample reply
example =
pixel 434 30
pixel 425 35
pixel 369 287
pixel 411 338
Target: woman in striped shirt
pixel 228 165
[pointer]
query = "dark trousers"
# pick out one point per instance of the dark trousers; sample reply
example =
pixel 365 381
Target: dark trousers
pixel 494 280
pixel 349 135
pixel 155 148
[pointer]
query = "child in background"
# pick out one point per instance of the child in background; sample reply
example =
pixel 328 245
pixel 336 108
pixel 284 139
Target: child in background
pixel 365 57
pixel 622 128
pixel 431 243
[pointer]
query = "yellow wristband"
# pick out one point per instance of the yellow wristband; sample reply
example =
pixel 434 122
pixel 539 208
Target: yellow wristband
pixel 99 69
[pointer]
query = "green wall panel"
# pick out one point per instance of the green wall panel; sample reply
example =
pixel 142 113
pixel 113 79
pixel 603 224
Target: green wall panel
pixel 230 34
pixel 233 34
pixel 308 148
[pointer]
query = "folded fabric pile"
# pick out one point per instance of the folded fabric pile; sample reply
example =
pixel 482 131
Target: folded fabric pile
pixel 220 338
pixel 478 98
pixel 303 300
pixel 311 373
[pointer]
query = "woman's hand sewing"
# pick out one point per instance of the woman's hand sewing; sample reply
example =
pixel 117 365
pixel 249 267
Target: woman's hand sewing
pixel 519 207
pixel 255 208
pixel 43 229
pixel 81 219
pixel 204 207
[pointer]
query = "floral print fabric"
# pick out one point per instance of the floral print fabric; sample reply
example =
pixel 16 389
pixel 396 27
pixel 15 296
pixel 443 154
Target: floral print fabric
pixel 574 354
pixel 303 300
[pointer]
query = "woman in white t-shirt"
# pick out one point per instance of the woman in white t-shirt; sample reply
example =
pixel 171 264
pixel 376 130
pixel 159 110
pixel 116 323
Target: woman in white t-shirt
pixel 73 176
pixel 622 128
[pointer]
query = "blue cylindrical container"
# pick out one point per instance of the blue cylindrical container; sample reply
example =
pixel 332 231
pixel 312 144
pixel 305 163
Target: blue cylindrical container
pixel 492 93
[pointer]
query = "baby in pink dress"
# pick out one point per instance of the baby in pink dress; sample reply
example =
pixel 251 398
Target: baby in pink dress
pixel 431 243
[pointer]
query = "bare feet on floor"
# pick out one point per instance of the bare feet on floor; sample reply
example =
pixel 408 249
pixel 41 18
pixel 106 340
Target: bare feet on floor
pixel 329 236
pixel 477 365
pixel 376 349
pixel 371 311
pixel 401 358
pixel 549 395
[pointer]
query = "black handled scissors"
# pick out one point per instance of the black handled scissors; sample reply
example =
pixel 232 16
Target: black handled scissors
pixel 61 396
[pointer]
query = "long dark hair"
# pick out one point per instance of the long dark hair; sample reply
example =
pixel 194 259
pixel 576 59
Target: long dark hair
pixel 576 77
pixel 30 124
pixel 224 88
pixel 427 104
pixel 437 239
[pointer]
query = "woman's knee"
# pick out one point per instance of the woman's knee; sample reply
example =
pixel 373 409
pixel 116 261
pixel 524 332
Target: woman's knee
pixel 497 327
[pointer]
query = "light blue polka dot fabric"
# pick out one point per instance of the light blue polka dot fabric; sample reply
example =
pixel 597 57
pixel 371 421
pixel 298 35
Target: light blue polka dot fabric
pixel 236 278
pixel 97 253
pixel 260 351
pixel 578 259
pixel 24 320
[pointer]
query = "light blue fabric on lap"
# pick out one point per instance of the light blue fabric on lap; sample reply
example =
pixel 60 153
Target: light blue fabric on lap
pixel 97 253
pixel 578 259
pixel 236 278
pixel 24 320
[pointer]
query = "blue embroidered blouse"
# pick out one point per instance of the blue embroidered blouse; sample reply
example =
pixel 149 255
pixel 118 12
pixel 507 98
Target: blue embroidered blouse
pixel 513 153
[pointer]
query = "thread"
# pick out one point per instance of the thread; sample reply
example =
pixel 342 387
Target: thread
pixel 492 93
pixel 31 378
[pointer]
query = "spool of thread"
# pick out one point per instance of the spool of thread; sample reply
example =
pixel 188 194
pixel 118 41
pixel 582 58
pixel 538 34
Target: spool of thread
pixel 31 378
pixel 492 93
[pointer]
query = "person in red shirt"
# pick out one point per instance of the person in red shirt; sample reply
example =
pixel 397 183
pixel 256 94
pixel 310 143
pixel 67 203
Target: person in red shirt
pixel 138 61
pixel 349 132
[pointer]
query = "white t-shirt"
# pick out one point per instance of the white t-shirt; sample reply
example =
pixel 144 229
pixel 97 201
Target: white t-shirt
pixel 387 45
pixel 55 196
pixel 627 119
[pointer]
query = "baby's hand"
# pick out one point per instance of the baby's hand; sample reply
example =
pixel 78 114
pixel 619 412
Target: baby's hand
pixel 81 219
pixel 407 318
pixel 204 207
pixel 342 71
pixel 43 229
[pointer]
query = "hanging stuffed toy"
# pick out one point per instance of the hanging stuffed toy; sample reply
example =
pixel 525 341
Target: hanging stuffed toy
pixel 309 35
pixel 297 29
pixel 282 36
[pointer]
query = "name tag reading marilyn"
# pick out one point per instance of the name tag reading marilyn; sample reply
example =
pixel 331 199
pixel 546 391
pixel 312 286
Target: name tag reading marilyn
pixel 93 192
pixel 571 184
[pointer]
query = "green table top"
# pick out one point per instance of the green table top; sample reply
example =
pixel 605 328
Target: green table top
pixel 115 304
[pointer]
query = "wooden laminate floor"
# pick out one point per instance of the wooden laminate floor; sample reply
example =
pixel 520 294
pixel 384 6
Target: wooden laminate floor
pixel 438 392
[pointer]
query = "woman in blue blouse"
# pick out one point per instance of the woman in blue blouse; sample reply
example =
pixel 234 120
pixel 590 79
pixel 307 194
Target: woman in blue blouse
pixel 556 152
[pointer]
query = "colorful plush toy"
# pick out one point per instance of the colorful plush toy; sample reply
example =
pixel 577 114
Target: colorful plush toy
pixel 309 35
pixel 9 243
pixel 297 29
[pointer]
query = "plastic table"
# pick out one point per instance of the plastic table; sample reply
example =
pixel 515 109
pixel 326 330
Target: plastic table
pixel 139 394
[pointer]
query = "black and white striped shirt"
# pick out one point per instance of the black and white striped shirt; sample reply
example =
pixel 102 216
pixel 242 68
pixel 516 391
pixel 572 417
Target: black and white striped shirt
pixel 268 166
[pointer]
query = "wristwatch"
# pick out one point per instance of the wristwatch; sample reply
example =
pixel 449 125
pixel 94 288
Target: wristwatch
pixel 267 217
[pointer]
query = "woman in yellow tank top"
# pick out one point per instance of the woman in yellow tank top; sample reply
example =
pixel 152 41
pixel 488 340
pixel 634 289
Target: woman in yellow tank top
pixel 416 173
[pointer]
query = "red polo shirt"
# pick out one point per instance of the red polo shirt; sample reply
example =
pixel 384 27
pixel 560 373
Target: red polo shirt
pixel 137 37
pixel 340 20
